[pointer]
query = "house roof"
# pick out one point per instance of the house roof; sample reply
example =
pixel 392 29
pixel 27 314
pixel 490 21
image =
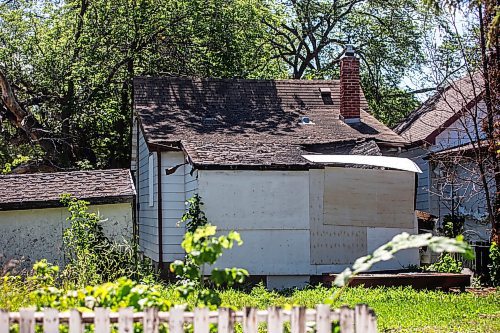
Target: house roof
pixel 42 190
pixel 442 109
pixel 248 122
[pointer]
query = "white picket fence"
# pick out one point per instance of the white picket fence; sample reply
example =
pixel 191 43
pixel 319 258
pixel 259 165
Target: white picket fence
pixel 302 320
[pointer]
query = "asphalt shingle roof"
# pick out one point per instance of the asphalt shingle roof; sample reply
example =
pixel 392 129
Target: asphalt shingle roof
pixel 41 190
pixel 440 110
pixel 247 122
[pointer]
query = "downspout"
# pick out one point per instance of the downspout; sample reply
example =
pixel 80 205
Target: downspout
pixel 160 215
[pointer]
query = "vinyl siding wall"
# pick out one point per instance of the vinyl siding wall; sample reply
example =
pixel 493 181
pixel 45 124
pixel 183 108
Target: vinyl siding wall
pixel 147 215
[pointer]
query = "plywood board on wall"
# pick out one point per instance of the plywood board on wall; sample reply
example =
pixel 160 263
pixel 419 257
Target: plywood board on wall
pixel 368 198
pixel 331 245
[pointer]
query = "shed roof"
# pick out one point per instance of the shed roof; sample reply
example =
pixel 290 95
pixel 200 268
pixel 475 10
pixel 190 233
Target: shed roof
pixel 252 122
pixel 442 109
pixel 42 190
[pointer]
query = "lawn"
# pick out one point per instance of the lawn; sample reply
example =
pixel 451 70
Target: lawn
pixel 398 310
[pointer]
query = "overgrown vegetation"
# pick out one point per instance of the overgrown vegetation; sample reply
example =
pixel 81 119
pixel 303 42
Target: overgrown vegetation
pixel 203 248
pixel 446 264
pixel 91 257
pixel 495 264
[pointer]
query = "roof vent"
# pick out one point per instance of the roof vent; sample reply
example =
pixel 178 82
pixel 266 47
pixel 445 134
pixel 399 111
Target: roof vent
pixel 326 95
pixel 209 121
pixel 306 121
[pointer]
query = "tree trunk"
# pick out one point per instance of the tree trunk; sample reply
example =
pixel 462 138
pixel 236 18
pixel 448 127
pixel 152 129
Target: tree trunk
pixel 490 63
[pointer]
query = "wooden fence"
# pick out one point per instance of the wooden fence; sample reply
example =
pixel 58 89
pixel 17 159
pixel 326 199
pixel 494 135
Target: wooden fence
pixel 302 320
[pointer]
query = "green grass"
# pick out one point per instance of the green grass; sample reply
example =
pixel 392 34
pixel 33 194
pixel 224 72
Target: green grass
pixel 397 309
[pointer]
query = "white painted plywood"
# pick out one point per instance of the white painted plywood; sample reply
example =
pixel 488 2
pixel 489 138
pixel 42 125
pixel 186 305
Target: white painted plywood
pixel 369 198
pixel 249 200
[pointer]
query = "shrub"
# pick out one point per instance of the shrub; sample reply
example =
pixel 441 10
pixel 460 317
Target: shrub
pixel 204 248
pixel 495 264
pixel 92 257
pixel 446 264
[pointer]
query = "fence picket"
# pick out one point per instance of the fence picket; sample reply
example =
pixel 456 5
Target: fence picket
pixel 323 322
pixel 250 324
pixel 360 319
pixel 372 322
pixel 126 320
pixel 275 320
pixel 150 322
pixel 27 321
pixel 50 321
pixel 225 321
pixel 102 323
pixel 75 322
pixel 346 320
pixel 176 321
pixel 4 322
pixel 298 320
pixel 201 324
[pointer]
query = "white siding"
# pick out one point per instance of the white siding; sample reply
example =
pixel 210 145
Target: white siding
pixel 36 234
pixel 147 215
pixel 423 195
pixel 173 189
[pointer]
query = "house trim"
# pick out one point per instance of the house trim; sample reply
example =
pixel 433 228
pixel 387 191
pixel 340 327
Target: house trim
pixel 26 205
pixel 160 213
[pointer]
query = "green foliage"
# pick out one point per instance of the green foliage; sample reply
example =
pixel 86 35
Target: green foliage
pixel 446 264
pixel 19 159
pixel 453 226
pixel 204 248
pixel 92 257
pixel 114 295
pixel 401 242
pixel 71 63
pixel 495 264
pixel 194 217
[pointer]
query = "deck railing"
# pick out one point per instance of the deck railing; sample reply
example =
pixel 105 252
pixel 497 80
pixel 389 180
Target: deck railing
pixel 302 320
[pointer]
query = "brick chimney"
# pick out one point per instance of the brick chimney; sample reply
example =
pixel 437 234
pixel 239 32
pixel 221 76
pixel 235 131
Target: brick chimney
pixel 349 86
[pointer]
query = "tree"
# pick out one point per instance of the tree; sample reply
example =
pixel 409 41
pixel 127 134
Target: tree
pixel 67 68
pixel 489 49
pixel 313 36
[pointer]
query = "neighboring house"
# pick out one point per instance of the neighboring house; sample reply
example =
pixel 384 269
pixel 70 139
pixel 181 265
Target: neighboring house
pixel 32 219
pixel 245 147
pixel 444 134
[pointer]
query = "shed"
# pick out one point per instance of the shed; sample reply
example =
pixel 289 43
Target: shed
pixel 32 218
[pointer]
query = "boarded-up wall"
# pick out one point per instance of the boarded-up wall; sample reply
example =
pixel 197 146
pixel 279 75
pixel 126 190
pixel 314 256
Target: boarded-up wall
pixel 369 198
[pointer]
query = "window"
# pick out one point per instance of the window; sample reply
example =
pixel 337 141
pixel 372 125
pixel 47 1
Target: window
pixel 151 178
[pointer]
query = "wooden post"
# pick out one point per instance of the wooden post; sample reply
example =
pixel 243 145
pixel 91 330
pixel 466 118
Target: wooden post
pixel 51 321
pixel 75 322
pixel 275 320
pixel 27 321
pixel 176 321
pixel 346 320
pixel 102 323
pixel 4 322
pixel 201 324
pixel 250 320
pixel 126 320
pixel 225 321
